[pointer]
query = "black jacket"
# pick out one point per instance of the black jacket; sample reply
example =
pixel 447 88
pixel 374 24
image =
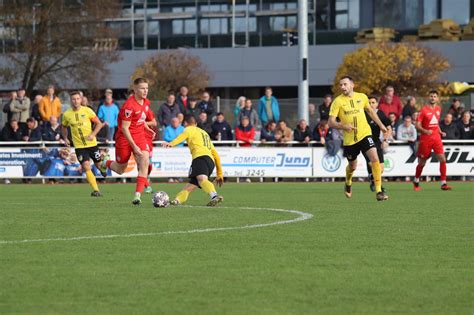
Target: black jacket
pixel 299 135
pixel 223 128
pixel 9 135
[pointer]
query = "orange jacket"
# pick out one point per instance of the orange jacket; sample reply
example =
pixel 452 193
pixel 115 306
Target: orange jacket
pixel 48 108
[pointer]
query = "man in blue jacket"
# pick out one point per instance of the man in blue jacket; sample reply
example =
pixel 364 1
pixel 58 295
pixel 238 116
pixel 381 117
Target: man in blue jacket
pixel 173 130
pixel 268 107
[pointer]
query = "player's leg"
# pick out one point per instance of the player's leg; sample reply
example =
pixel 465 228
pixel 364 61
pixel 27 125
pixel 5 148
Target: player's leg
pixel 350 152
pixel 369 171
pixel 439 152
pixel 86 166
pixel 183 195
pixel 142 164
pixel 210 189
pixel 148 188
pixel 123 152
pixel 424 151
pixel 377 171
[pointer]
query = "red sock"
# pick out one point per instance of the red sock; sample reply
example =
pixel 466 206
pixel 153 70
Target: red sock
pixel 419 169
pixel 108 163
pixel 150 168
pixel 147 184
pixel 442 170
pixel 141 182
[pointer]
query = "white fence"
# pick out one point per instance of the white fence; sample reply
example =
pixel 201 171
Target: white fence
pixel 45 161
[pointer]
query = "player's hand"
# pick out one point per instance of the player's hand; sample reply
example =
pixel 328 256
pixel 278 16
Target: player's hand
pixel 151 132
pixel 428 132
pixel 443 134
pixel 67 143
pixel 384 129
pixel 166 145
pixel 219 181
pixel 90 137
pixel 348 128
pixel 137 151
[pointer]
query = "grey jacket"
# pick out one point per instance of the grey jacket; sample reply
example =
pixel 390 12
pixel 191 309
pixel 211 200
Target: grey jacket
pixel 20 109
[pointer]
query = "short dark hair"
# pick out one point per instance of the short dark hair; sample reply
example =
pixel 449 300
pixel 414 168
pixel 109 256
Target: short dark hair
pixel 190 120
pixel 31 119
pixel 270 122
pixel 373 97
pixel 433 92
pixel 220 113
pixel 137 81
pixel 327 95
pixel 21 89
pixel 268 88
pixel 75 92
pixel 282 120
pixel 346 77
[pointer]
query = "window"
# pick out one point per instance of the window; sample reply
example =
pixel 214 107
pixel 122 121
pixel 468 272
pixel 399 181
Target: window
pixel 241 23
pixel 214 26
pixel 456 10
pixel 389 13
pixel 322 15
pixel 347 14
pixel 279 23
pixel 184 26
pixel 430 10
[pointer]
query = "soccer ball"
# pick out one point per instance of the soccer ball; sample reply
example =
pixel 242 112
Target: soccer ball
pixel 161 199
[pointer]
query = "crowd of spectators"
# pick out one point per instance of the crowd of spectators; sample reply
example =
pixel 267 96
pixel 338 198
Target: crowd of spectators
pixel 254 120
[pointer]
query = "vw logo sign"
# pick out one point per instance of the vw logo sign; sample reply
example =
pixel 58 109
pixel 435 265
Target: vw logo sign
pixel 331 163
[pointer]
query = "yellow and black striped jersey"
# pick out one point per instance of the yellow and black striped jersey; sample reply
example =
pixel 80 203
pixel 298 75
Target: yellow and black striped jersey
pixel 80 122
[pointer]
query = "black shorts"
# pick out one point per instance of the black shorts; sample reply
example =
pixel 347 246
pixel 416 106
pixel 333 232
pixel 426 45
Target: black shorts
pixel 90 153
pixel 202 165
pixel 352 151
pixel 378 146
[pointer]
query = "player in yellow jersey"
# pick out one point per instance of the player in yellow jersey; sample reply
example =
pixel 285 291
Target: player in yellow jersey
pixel 349 107
pixel 205 158
pixel 79 119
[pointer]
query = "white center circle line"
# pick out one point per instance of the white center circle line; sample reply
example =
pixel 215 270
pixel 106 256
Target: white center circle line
pixel 302 216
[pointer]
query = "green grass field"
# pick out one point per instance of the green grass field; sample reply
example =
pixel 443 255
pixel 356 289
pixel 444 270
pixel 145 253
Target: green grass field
pixel 410 255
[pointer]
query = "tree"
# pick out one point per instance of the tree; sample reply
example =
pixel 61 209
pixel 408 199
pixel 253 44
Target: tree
pixel 168 71
pixel 58 41
pixel 410 69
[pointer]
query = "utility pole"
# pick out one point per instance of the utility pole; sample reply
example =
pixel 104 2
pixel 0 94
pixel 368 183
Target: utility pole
pixel 303 88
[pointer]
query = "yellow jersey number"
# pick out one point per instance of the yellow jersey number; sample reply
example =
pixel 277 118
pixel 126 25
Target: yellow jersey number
pixel 206 140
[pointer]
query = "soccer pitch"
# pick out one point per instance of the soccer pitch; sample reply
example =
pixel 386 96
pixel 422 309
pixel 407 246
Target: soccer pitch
pixel 331 255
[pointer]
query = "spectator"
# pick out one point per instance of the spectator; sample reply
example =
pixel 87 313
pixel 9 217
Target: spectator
pixel 8 105
pixel 182 99
pixel 268 107
pixel 168 110
pixel 449 130
pixel 11 131
pixel 85 102
pixel 33 130
pixel 466 127
pixel 285 133
pixel 328 137
pixel 325 107
pixel 49 105
pixel 393 124
pixel 239 105
pixel 20 108
pixel 52 130
pixel 221 130
pixel 390 103
pixel 245 132
pixel 205 105
pixel 269 132
pixel 192 109
pixel 302 132
pixel 180 117
pixel 249 112
pixel 35 113
pixel 173 130
pixel 407 132
pixel 204 123
pixel 456 109
pixel 313 117
pixel 108 114
pixel 410 107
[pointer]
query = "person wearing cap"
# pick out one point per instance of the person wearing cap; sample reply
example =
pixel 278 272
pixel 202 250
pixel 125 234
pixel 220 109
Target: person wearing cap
pixel 456 109
pixel 108 113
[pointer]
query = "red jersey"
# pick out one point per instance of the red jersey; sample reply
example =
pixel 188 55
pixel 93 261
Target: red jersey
pixel 135 113
pixel 149 117
pixel 429 119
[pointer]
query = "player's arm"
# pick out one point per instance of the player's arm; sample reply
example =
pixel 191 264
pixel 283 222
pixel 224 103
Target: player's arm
pixel 421 129
pixel 152 123
pixel 64 134
pixel 337 125
pixel 217 160
pixel 126 132
pixel 182 137
pixel 98 126
pixel 376 118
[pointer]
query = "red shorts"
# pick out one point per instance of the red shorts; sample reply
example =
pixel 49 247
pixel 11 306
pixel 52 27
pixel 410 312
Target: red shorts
pixel 427 145
pixel 123 150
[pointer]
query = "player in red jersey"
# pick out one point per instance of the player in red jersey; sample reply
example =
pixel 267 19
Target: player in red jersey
pixel 430 140
pixel 131 136
pixel 151 122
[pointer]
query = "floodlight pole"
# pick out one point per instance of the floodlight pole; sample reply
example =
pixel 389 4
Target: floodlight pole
pixel 303 88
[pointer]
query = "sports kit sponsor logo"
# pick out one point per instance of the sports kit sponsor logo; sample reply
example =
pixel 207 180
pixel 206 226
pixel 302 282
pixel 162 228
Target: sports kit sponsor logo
pixel 128 113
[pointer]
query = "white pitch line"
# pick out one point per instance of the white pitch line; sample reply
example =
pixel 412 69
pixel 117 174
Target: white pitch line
pixel 302 216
